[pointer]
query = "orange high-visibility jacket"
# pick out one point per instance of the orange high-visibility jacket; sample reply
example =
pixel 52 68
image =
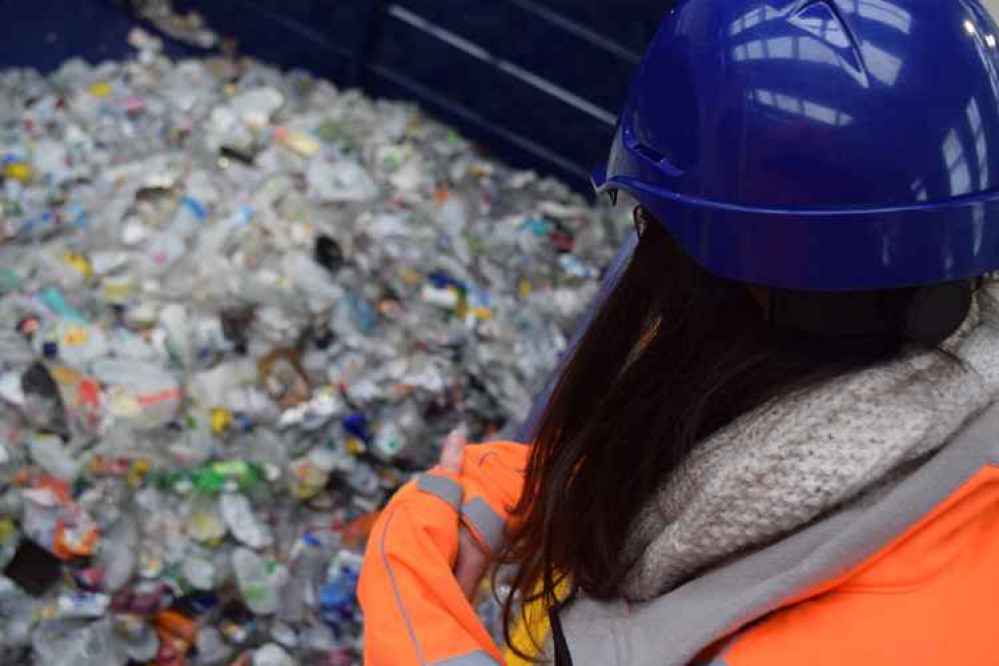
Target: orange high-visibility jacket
pixel 909 578
pixel 414 611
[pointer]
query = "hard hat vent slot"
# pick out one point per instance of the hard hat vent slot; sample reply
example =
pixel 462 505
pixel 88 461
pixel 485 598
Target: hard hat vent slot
pixel 649 153
pixel 823 20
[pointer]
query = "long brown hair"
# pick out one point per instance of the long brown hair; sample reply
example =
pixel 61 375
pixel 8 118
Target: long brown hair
pixel 673 355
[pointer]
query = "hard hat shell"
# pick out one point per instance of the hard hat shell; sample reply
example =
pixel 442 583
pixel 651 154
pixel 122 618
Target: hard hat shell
pixel 819 144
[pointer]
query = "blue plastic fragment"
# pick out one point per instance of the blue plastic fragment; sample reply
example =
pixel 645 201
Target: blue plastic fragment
pixel 356 424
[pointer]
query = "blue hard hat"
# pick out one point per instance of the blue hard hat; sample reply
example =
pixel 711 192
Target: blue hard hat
pixel 822 145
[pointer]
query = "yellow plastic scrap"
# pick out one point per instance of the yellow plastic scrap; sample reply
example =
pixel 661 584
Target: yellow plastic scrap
pixel 6 528
pixel 524 288
pixel 221 420
pixel 461 302
pixel 355 446
pixel 100 89
pixel 411 277
pixel 483 314
pixel 75 336
pixel 138 472
pixel 300 142
pixel 18 171
pixel 117 290
pixel 79 263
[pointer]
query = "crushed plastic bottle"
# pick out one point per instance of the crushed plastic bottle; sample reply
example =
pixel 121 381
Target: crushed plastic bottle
pixel 49 453
pixel 212 649
pixel 272 655
pixel 239 307
pixel 137 638
pixel 244 525
pixel 307 572
pixel 189 28
pixel 17 611
pixel 260 581
pixel 73 642
pixel 205 522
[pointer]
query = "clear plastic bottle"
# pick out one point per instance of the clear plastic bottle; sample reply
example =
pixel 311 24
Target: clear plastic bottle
pixel 272 655
pixel 237 512
pixel 307 570
pixel 259 581
pixel 17 611
pixel 71 642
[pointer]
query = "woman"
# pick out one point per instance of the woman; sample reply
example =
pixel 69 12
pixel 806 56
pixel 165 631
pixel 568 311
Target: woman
pixel 776 442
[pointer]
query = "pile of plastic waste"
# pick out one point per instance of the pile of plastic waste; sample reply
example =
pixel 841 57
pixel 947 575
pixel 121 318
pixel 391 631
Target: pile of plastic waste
pixel 238 308
pixel 187 28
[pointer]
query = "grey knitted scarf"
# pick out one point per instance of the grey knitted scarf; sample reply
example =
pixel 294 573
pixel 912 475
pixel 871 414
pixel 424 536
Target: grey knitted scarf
pixel 780 467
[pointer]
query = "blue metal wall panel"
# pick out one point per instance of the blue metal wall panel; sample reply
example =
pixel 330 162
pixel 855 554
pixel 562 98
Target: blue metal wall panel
pixel 500 99
pixel 630 23
pixel 580 61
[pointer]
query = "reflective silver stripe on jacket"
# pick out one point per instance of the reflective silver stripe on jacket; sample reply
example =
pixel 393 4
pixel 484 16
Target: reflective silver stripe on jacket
pixel 486 522
pixel 441 487
pixel 397 594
